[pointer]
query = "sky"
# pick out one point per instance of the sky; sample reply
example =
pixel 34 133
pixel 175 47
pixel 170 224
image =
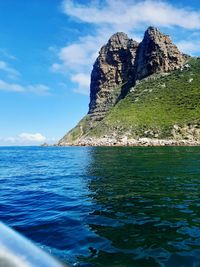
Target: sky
pixel 47 50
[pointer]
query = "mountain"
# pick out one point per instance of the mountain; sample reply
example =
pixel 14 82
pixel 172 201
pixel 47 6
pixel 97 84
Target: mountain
pixel 141 93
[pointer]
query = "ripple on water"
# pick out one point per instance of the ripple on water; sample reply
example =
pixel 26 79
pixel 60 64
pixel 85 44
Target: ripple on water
pixel 105 206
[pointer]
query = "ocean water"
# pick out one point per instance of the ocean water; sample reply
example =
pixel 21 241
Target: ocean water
pixel 105 206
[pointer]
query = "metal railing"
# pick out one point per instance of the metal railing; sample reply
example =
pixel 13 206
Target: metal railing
pixel 17 251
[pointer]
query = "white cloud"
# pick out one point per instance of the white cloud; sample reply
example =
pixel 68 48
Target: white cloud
pixel 12 73
pixel 83 81
pixel 39 89
pixel 133 13
pixel 13 87
pixel 29 137
pixel 67 53
pixel 24 139
pixel 80 54
pixel 189 47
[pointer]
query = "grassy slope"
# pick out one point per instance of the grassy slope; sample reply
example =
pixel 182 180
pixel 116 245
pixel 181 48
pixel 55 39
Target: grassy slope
pixel 157 104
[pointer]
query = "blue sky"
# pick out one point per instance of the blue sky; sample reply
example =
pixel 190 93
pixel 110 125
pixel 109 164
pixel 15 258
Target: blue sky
pixel 47 49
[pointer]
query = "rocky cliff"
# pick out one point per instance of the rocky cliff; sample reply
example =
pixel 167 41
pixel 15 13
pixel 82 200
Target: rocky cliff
pixel 112 68
pixel 156 54
pixel 122 63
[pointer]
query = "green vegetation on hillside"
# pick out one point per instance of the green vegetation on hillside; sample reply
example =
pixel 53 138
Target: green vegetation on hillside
pixel 81 128
pixel 156 104
pixel 152 108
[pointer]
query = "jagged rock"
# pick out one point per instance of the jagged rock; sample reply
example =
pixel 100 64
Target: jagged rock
pixel 112 68
pixel 157 54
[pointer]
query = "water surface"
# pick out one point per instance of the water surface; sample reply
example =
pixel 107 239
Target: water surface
pixel 105 206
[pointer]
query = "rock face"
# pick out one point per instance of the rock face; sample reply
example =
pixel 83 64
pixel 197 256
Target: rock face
pixel 156 54
pixel 123 61
pixel 112 68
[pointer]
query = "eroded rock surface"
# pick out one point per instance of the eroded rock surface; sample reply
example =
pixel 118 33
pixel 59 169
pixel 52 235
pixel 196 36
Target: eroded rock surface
pixel 157 54
pixel 112 68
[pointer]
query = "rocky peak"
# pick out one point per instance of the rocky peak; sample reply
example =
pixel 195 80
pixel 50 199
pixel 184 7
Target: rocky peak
pixel 122 61
pixel 119 39
pixel 153 32
pixel 112 68
pixel 157 54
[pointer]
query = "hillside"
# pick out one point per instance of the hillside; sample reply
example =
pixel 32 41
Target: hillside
pixel 156 106
pixel 161 105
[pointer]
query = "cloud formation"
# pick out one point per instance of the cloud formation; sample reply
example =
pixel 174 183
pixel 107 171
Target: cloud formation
pixel 11 72
pixel 25 139
pixel 38 89
pixel 83 81
pixel 189 46
pixel 29 137
pixel 133 13
pixel 12 87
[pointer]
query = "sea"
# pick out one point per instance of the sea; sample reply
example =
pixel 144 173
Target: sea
pixel 105 206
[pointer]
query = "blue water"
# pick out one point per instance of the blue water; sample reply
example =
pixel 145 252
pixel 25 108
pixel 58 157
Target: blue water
pixel 105 206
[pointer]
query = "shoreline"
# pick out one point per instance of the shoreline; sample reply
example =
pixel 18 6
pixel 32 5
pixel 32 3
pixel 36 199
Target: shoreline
pixel 143 142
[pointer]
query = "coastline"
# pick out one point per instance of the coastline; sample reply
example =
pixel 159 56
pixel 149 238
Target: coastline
pixel 131 142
